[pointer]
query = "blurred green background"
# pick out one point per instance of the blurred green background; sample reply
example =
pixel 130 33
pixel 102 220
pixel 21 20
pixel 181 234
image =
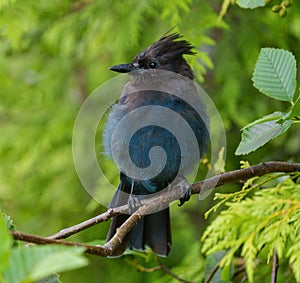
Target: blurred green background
pixel 53 54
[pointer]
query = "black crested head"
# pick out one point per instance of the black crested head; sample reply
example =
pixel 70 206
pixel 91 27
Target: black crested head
pixel 164 54
pixel 168 46
pixel 167 54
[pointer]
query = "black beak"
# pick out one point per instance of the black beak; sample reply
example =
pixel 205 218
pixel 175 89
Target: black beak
pixel 123 68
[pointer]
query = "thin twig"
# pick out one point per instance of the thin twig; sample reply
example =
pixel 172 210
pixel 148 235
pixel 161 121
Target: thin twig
pixel 139 267
pixel 161 266
pixel 244 174
pixel 239 271
pixel 121 232
pixel 213 272
pixel 79 5
pixel 95 250
pixel 65 233
pixel 275 267
pixel 168 271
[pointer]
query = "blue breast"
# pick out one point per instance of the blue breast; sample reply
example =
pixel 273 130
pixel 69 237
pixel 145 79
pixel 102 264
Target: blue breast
pixel 153 135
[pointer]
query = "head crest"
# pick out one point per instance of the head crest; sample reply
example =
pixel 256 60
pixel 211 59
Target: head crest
pixel 167 54
pixel 170 46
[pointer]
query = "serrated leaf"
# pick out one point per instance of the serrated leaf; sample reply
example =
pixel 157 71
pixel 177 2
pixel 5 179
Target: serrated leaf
pixel 256 135
pixel 37 262
pixel 251 4
pixel 10 227
pixel 5 246
pixel 9 223
pixel 58 262
pixel 271 117
pixel 275 73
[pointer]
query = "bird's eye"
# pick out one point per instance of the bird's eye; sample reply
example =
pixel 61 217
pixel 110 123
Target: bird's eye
pixel 152 65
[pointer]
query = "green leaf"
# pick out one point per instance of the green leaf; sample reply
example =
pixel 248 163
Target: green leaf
pixel 5 246
pixel 294 258
pixel 211 262
pixel 251 3
pixel 271 117
pixel 256 134
pixel 296 108
pixel 275 73
pixel 9 223
pixel 10 227
pixel 190 268
pixel 50 279
pixel 37 262
pixel 266 221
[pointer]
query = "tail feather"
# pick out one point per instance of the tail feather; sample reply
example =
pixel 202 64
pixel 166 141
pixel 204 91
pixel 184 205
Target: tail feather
pixel 157 232
pixel 154 230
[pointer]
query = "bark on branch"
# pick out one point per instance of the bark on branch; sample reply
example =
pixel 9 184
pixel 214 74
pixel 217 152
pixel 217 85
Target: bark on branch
pixel 153 204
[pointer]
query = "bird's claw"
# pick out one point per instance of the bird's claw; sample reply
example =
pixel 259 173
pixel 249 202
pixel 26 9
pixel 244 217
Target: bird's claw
pixel 186 197
pixel 182 184
pixel 133 204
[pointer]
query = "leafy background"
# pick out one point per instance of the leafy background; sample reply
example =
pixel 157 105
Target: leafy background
pixel 55 53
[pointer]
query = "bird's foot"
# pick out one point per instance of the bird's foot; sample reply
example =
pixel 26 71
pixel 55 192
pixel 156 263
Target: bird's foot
pixel 133 203
pixel 186 197
pixel 181 183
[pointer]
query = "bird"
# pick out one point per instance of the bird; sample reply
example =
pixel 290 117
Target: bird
pixel 159 67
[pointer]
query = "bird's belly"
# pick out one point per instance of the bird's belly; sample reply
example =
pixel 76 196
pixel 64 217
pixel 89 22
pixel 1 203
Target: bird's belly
pixel 156 146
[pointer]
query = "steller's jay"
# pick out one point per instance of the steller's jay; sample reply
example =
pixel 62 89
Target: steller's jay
pixel 166 54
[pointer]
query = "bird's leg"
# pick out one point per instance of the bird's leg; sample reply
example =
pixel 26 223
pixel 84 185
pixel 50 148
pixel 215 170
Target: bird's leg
pixel 133 201
pixel 181 183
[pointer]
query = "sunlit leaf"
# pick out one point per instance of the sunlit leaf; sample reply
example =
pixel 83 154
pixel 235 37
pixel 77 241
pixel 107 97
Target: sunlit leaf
pixel 211 262
pixel 296 108
pixel 5 246
pixel 269 220
pixel 258 134
pixel 38 262
pixel 50 279
pixel 251 3
pixel 275 73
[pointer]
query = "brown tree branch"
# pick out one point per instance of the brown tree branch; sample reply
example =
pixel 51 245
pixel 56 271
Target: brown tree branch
pixel 275 267
pixel 244 174
pixel 67 232
pixel 29 238
pixel 153 204
pixel 212 273
pixel 206 185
